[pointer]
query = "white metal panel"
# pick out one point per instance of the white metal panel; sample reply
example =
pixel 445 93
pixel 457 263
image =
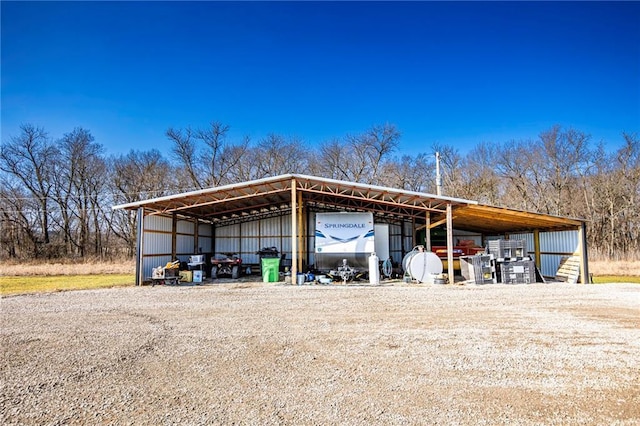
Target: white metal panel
pixel 205 230
pixel 559 241
pixel 271 227
pixel 157 223
pixel 381 236
pixel 205 243
pixel 286 244
pixel 309 243
pixel 285 225
pixel 250 229
pixel 250 258
pixel 228 231
pixel 271 242
pixel 156 243
pixel 184 244
pixel 528 238
pixel 185 227
pixel 227 245
pixel 248 249
pixel 550 264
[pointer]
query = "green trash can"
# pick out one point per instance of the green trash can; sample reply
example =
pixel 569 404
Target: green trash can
pixel 270 269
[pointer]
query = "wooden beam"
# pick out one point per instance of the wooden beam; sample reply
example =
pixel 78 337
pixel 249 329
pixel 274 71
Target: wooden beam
pixel 427 237
pixel 584 259
pixel 300 232
pixel 174 236
pixel 196 231
pixel 414 239
pixel 536 248
pixel 294 232
pixel 441 221
pixel 450 270
pixel 140 247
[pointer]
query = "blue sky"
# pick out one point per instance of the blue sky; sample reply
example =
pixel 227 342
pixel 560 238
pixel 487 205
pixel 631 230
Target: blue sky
pixel 454 73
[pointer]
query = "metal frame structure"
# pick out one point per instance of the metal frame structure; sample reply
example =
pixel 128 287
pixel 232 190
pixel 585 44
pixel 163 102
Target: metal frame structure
pixel 294 193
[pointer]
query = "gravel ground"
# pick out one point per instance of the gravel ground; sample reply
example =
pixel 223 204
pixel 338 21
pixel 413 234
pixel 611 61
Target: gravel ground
pixel 253 353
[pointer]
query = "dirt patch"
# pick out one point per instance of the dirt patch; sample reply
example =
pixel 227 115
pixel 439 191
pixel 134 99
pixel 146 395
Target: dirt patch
pixel 253 353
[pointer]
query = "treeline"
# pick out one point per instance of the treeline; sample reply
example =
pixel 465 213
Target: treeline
pixel 56 194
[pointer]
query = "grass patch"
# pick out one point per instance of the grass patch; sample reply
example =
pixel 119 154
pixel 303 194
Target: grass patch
pixel 40 284
pixel 603 279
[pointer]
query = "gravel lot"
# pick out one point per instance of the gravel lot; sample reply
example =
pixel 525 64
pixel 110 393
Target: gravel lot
pixel 253 353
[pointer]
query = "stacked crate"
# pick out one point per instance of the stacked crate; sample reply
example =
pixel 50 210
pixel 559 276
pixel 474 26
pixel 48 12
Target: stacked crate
pixel 480 269
pixel 513 264
pixel 517 272
pixel 505 250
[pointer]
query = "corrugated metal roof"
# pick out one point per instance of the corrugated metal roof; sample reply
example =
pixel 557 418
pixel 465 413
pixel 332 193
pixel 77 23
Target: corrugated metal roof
pixel 269 196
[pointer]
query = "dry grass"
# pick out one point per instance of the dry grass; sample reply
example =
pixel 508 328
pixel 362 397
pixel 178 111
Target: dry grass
pixel 596 267
pixel 615 268
pixel 67 268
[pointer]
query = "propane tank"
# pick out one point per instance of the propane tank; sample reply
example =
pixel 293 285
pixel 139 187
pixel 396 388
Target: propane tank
pixel 374 271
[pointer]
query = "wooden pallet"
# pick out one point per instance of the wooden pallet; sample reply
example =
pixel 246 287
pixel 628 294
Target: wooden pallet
pixel 569 269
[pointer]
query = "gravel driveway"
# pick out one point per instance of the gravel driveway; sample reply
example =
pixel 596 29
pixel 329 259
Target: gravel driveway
pixel 253 353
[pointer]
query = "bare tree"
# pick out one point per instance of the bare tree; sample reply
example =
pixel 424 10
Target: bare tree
pixel 413 173
pixel 481 182
pixel 359 158
pixel 205 156
pixel 80 179
pixel 134 177
pixel 514 165
pixel 18 223
pixel 450 168
pixel 278 155
pixel 28 158
pixel 564 157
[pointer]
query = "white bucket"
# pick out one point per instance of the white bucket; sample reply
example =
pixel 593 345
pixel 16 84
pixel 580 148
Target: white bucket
pixel 301 279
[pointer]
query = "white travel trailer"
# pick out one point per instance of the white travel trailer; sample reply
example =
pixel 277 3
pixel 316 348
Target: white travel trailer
pixel 343 242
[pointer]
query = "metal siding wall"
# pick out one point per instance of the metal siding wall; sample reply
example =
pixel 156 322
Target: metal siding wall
pixel 550 242
pixel 205 230
pixel 249 247
pixel 156 243
pixel 185 227
pixel 205 242
pixel 228 231
pixel 528 238
pixel 250 241
pixel 408 235
pixel 268 232
pixel 227 245
pixel 157 223
pixel 270 227
pixel 550 263
pixel 395 242
pixel 286 225
pixel 311 237
pixel 559 241
pixel 184 244
pixel 270 242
